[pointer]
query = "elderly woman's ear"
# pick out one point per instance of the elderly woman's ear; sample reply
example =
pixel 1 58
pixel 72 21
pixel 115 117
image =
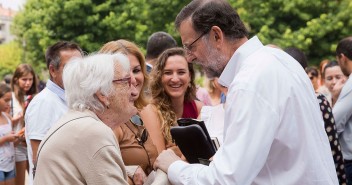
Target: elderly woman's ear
pixel 103 99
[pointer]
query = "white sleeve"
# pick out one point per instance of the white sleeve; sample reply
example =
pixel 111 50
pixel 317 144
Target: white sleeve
pixel 39 118
pixel 342 112
pixel 250 126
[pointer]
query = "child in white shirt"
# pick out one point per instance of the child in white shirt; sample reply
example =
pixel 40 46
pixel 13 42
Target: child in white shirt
pixel 7 137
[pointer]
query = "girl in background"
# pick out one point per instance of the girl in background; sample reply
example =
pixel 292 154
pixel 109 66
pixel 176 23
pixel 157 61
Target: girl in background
pixel 7 137
pixel 333 78
pixel 24 87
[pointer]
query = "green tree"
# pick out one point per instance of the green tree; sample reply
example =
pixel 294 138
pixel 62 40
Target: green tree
pixel 91 23
pixel 10 57
pixel 313 26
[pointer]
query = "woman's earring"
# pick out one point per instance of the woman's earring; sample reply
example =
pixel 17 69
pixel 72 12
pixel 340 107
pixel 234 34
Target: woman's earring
pixel 189 85
pixel 107 105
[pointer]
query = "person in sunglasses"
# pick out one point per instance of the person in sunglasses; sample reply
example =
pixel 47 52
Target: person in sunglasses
pixel 81 147
pixel 137 148
pixel 174 96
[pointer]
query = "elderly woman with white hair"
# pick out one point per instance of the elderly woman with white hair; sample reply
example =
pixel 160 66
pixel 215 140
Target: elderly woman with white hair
pixel 81 147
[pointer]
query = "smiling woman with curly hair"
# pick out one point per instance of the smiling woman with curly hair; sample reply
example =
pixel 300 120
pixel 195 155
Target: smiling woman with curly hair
pixel 173 92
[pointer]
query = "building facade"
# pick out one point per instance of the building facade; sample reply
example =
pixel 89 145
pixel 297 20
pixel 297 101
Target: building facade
pixel 6 17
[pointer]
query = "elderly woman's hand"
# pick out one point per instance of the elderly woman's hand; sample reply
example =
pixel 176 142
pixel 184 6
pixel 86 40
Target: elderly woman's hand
pixel 139 176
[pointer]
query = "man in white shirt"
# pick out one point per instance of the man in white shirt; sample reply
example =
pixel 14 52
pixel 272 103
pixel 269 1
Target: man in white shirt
pixel 342 109
pixel 273 130
pixel 49 105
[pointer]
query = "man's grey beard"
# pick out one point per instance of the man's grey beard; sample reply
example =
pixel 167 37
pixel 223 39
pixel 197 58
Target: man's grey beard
pixel 211 73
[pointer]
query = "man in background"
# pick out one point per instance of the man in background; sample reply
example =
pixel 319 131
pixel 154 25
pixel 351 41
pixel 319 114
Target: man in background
pixel 157 43
pixel 342 109
pixel 49 105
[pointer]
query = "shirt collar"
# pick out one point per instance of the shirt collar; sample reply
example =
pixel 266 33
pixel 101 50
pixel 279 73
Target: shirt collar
pixel 236 60
pixel 56 89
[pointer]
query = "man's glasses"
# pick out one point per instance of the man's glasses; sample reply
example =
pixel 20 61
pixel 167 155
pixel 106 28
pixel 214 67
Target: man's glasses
pixel 189 47
pixel 127 79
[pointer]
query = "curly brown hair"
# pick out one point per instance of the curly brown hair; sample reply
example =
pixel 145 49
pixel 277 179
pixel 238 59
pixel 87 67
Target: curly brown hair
pixel 161 100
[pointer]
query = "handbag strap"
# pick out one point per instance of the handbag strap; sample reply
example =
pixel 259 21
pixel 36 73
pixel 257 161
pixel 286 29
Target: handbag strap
pixel 40 149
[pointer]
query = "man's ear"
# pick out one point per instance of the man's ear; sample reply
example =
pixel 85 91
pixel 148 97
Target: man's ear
pixel 343 57
pixel 217 35
pixel 52 71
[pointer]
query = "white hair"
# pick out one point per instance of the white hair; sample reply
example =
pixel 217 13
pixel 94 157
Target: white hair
pixel 84 77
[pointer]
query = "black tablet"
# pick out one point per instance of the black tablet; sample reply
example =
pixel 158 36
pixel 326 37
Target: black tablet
pixel 193 139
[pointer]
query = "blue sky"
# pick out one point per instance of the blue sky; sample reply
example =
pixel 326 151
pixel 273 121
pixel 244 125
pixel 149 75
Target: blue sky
pixel 13 4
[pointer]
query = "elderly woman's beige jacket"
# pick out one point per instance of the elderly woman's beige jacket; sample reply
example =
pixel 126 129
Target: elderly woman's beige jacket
pixel 79 149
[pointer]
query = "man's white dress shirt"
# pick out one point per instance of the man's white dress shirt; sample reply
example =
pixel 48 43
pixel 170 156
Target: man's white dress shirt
pixel 273 131
pixel 342 111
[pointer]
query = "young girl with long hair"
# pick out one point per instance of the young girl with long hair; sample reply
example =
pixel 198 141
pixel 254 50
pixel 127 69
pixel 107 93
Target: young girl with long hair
pixel 7 137
pixel 24 87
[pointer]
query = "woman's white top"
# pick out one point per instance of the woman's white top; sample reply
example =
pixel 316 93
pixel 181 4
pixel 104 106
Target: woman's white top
pixel 213 117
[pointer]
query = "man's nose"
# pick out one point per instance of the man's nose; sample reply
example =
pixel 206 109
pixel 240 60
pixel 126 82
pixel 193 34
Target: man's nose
pixel 190 57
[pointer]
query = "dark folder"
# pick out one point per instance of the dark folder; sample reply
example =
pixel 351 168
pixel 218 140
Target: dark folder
pixel 193 139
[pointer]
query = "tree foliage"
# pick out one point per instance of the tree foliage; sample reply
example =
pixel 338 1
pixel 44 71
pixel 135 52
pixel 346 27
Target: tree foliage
pixel 313 26
pixel 10 57
pixel 91 23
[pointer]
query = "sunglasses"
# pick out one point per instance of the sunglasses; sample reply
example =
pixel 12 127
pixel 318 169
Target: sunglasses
pixel 136 120
pixel 127 79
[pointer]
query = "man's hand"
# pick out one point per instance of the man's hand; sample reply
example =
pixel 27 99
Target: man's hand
pixel 165 159
pixel 139 176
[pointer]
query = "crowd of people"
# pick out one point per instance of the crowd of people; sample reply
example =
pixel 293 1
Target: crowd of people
pixel 105 118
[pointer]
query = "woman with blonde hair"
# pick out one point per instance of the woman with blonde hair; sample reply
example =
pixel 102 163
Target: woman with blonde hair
pixel 24 87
